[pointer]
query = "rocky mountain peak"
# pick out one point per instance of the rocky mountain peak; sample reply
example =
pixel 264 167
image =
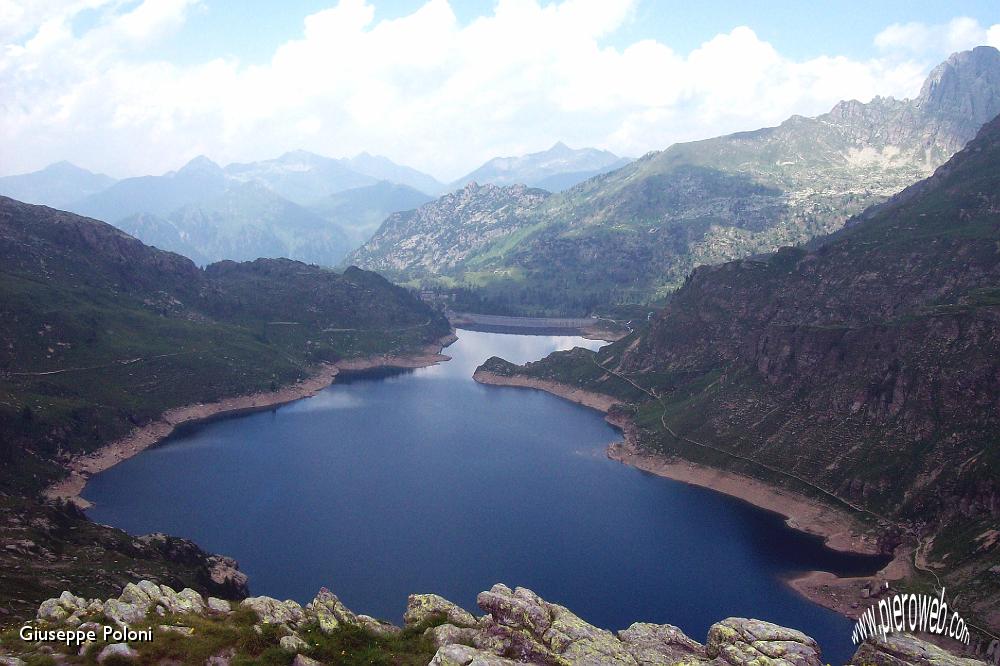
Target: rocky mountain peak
pixel 200 165
pixel 64 167
pixel 560 148
pixel 297 159
pixel 966 85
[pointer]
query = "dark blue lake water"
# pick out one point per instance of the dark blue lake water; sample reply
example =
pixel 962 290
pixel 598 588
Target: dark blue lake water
pixel 424 481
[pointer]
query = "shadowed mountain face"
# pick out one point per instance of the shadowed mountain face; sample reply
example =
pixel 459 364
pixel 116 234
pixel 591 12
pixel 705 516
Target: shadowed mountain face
pixel 246 221
pixel 79 298
pixel 634 234
pixel 869 365
pixel 384 169
pixel 199 180
pixel 361 210
pixel 554 169
pixel 57 185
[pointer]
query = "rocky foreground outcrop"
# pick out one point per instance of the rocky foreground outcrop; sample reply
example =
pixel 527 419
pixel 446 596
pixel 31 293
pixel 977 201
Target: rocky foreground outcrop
pixel 518 627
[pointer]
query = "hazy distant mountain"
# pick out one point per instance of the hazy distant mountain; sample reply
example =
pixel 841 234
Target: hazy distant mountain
pixel 360 211
pixel 245 222
pixel 554 169
pixel 239 212
pixel 301 176
pixel 636 233
pixel 163 234
pixel 200 179
pixel 385 169
pixel 57 185
pixel 305 177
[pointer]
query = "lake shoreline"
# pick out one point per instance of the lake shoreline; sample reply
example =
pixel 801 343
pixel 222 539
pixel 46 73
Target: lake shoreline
pixel 590 328
pixel 598 401
pixel 839 531
pixel 81 468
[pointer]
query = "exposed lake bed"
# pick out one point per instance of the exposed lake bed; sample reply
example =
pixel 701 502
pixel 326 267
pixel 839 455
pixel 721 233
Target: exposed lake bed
pixel 387 484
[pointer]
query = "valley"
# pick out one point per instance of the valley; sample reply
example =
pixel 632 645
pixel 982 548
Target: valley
pixel 686 328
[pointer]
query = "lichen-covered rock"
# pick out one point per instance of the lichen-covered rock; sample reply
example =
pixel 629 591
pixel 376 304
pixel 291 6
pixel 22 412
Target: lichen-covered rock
pixel 191 601
pixel 134 595
pixel 530 629
pixel 11 661
pixel 292 643
pixel 518 627
pixel 517 608
pixel 302 660
pixel 218 605
pixel 272 611
pixel 151 590
pixel 329 612
pixel 117 650
pixel 52 611
pixel 906 650
pixel 124 613
pixel 170 602
pixel 740 641
pixel 463 655
pixel 380 627
pixel 448 634
pixel 579 642
pixel 656 644
pixel 71 602
pixel 421 607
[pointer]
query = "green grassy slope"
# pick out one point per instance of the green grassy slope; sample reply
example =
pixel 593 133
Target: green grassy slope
pixel 101 333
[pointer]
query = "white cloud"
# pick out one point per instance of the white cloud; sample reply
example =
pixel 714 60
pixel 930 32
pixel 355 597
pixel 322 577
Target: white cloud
pixel 937 40
pixel 422 89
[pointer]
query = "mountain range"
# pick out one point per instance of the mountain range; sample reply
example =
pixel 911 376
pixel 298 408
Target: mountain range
pixel 633 235
pixel 58 185
pixel 556 169
pixel 299 205
pixel 863 371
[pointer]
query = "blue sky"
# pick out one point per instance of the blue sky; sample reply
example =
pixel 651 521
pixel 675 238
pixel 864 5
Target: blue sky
pixel 252 29
pixel 130 87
